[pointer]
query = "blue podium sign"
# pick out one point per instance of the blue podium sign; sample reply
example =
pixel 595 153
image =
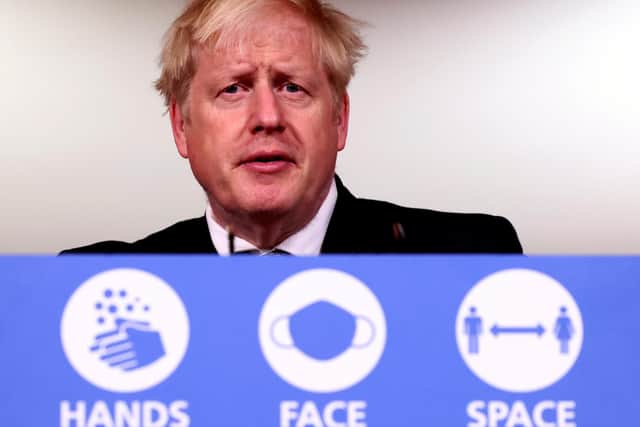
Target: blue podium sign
pixel 336 341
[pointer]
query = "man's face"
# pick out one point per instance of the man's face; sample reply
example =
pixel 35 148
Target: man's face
pixel 263 128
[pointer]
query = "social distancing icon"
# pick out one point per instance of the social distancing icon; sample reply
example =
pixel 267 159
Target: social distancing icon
pixel 519 330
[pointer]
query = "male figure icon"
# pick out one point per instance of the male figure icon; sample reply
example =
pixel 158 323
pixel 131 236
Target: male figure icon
pixel 473 329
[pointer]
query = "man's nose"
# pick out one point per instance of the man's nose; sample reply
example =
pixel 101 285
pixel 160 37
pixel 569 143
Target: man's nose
pixel 266 114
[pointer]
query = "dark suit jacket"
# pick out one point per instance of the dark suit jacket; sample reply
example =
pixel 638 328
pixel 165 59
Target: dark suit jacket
pixel 356 226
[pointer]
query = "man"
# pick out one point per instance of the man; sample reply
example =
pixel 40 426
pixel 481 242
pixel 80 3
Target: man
pixel 257 96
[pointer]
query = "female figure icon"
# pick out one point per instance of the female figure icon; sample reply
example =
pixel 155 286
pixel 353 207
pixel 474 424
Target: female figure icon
pixel 563 330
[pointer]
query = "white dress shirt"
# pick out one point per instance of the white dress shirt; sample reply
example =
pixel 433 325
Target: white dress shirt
pixel 307 241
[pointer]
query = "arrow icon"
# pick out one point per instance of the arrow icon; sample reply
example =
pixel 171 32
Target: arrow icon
pixel 497 330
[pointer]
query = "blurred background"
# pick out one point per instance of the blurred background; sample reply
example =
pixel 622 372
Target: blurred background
pixel 528 109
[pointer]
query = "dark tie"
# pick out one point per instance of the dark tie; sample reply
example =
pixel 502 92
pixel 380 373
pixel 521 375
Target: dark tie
pixel 257 252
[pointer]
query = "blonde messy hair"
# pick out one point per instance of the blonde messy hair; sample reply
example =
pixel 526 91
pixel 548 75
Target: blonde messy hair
pixel 336 40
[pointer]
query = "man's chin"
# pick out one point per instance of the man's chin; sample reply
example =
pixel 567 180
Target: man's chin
pixel 269 195
pixel 267 209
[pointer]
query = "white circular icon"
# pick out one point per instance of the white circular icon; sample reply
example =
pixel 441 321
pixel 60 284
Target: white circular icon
pixel 519 330
pixel 298 318
pixel 124 330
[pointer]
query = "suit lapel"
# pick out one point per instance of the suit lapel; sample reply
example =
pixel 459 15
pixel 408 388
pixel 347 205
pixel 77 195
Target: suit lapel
pixel 202 243
pixel 351 230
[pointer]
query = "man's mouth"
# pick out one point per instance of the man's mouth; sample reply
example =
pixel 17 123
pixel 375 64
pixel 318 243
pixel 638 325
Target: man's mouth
pixel 269 158
pixel 267 162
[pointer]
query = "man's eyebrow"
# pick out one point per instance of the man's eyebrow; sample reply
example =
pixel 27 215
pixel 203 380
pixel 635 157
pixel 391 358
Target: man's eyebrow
pixel 235 71
pixel 293 65
pixel 294 70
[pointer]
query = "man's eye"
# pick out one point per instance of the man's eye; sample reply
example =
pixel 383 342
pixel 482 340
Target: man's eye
pixel 292 88
pixel 231 89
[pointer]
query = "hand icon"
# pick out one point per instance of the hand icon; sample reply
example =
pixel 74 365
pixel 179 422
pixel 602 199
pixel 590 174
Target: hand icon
pixel 132 344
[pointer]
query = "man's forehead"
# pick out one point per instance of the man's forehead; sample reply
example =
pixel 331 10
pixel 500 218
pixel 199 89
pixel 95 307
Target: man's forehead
pixel 240 66
pixel 264 36
pixel 290 46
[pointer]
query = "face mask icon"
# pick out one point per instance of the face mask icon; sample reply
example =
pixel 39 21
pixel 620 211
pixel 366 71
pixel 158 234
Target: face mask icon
pixel 322 331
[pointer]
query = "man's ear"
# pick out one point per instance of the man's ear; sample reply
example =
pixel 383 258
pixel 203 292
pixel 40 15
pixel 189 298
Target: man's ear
pixel 178 123
pixel 342 117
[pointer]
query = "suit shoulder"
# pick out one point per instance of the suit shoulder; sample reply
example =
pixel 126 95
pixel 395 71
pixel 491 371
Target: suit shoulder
pixel 188 236
pixel 105 247
pixel 397 211
pixel 446 232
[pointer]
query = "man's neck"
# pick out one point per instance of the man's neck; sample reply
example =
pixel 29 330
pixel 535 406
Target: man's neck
pixel 266 231
pixel 265 234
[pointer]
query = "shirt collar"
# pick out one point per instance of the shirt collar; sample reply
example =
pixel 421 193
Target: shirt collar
pixel 307 241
